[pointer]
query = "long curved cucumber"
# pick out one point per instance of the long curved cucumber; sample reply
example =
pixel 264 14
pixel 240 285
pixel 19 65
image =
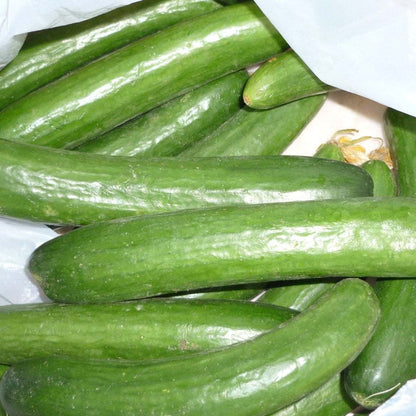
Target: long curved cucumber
pixel 280 80
pixel 156 328
pixel 251 132
pixel 63 186
pixel 171 128
pixel 49 54
pixel 141 76
pixel 193 249
pixel 252 378
pixel 389 360
pixel 383 178
pixel 328 400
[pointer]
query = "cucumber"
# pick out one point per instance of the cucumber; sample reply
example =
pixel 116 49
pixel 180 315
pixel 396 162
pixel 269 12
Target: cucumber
pixel 389 360
pixel 330 151
pixel 49 54
pixel 63 186
pixel 194 249
pixel 384 181
pixel 280 80
pixel 328 400
pixel 141 76
pixel 150 329
pixel 252 378
pixel 248 132
pixel 176 125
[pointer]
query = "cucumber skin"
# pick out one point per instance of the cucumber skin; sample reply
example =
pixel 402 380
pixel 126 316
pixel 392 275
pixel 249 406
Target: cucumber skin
pixel 248 132
pixel 195 249
pixel 176 125
pixel 280 80
pixel 330 151
pixel 384 182
pixel 49 54
pixel 252 378
pixel 389 360
pixel 141 76
pixel 68 187
pixel 135 330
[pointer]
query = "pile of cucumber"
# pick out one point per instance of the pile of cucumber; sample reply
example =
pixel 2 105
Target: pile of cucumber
pixel 204 273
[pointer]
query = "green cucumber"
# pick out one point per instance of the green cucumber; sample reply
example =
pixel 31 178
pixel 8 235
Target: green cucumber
pixel 140 76
pixel 330 151
pixel 389 360
pixel 63 186
pixel 252 378
pixel 280 80
pixel 49 54
pixel 297 295
pixel 328 400
pixel 156 328
pixel 245 292
pixel 384 181
pixel 249 132
pixel 193 249
pixel 171 128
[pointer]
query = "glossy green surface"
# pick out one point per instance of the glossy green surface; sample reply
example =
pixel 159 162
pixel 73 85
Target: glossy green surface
pixel 171 128
pixel 251 132
pixel 49 54
pixel 328 400
pixel 253 378
pixel 330 151
pixel 280 80
pixel 383 178
pixel 62 186
pixel 187 250
pixel 141 76
pixel 389 360
pixel 148 329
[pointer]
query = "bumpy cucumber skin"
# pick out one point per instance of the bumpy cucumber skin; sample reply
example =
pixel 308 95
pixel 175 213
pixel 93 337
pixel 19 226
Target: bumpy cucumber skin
pixel 330 151
pixel 256 377
pixel 49 54
pixel 251 132
pixel 194 249
pixel 389 360
pixel 282 79
pixel 384 181
pixel 141 76
pixel 329 400
pixel 68 187
pixel 176 125
pixel 148 329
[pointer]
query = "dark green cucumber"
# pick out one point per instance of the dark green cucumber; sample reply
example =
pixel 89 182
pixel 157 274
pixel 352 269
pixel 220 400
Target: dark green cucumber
pixel 252 378
pixel 150 329
pixel 389 360
pixel 249 132
pixel 328 400
pixel 49 54
pixel 330 151
pixel 297 295
pixel 141 76
pixel 383 178
pixel 280 80
pixel 63 186
pixel 193 249
pixel 176 125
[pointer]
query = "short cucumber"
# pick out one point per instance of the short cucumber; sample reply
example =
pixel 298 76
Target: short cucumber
pixel 280 80
pixel 157 328
pixel 171 128
pixel 383 178
pixel 142 75
pixel 389 360
pixel 328 400
pixel 249 133
pixel 63 186
pixel 194 249
pixel 49 54
pixel 330 151
pixel 251 378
